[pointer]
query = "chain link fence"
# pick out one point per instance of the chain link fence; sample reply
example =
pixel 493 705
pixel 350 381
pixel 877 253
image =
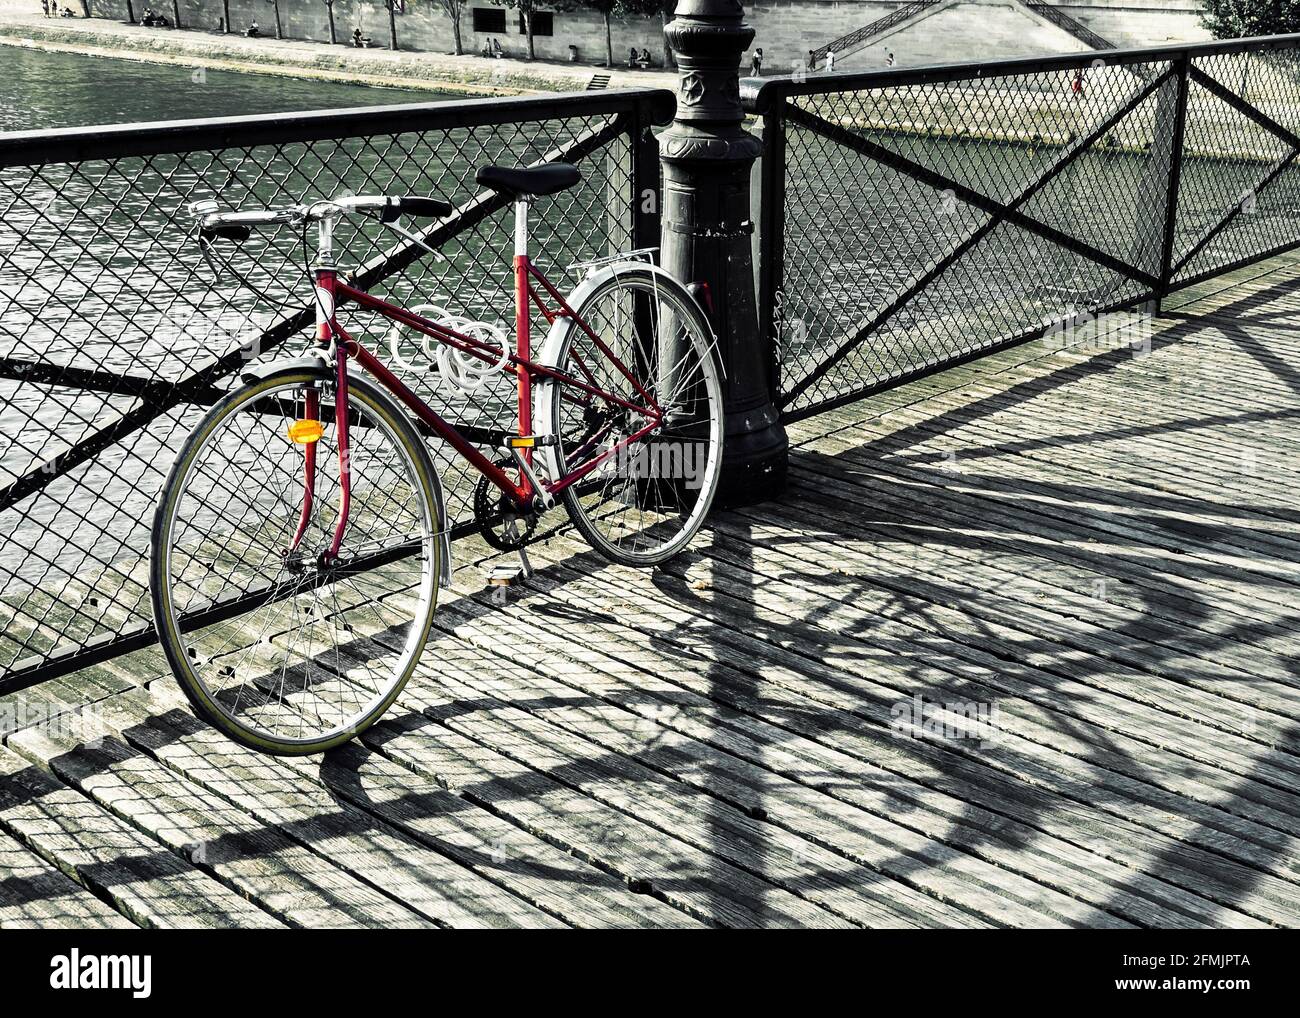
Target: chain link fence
pixel 115 335
pixel 909 220
pixel 914 219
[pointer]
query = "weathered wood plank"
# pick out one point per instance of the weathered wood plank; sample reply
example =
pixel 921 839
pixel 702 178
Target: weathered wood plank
pixel 559 649
pixel 36 895
pixel 293 883
pixel 275 794
pixel 815 844
pixel 436 823
pixel 622 615
pixel 146 882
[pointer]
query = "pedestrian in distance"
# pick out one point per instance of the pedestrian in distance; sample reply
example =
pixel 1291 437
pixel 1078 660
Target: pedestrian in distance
pixel 830 61
pixel 756 64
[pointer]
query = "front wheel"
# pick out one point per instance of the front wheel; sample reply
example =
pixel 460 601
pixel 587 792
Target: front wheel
pixel 649 493
pixel 280 645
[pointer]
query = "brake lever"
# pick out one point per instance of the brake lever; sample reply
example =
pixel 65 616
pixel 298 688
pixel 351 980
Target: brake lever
pixel 437 255
pixel 227 231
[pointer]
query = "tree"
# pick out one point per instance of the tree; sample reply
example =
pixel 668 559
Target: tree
pixel 453 9
pixel 662 9
pixel 666 9
pixel 329 8
pixel 526 9
pixel 392 6
pixel 130 13
pixel 611 9
pixel 608 9
pixel 1236 19
pixel 279 26
pixel 176 13
pixel 225 16
pixel 1239 19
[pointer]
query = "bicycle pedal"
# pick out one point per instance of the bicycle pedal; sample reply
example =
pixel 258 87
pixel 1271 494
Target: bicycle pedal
pixel 505 576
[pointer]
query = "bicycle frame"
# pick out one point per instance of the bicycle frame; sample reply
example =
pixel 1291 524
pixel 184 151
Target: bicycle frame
pixel 333 292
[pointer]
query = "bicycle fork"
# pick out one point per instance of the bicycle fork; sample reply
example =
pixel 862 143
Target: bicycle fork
pixel 325 301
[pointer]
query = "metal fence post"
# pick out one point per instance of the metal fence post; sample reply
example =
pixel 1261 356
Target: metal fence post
pixel 1184 65
pixel 707 157
pixel 646 198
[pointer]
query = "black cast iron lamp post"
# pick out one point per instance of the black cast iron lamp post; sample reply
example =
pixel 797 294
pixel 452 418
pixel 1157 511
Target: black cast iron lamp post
pixel 707 158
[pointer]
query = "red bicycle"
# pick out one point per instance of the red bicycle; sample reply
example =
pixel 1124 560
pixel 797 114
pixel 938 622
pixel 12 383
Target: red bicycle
pixel 300 538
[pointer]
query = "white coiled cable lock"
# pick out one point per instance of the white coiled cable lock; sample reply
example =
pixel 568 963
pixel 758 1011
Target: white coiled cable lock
pixel 458 370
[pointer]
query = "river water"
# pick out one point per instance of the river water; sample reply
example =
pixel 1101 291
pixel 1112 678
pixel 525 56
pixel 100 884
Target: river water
pixel 39 89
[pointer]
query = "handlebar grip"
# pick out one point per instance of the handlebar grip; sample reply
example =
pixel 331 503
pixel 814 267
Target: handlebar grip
pixel 412 205
pixel 230 231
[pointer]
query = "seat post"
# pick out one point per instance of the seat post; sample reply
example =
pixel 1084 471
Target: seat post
pixel 521 226
pixel 523 324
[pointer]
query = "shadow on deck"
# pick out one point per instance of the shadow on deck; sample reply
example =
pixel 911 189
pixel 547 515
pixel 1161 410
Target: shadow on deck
pixel 1018 648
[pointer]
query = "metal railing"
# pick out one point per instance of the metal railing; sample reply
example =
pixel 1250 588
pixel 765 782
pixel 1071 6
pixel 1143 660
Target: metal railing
pixel 114 336
pixel 914 219
pixel 1070 24
pixel 881 24
pixel 909 220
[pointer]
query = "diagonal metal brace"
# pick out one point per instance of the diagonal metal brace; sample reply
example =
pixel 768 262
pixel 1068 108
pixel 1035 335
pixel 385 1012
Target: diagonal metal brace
pixel 1005 211
pixel 937 268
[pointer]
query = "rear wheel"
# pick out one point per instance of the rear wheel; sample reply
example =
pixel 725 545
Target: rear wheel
pixel 648 498
pixel 278 646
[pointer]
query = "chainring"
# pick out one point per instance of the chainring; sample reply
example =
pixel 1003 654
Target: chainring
pixel 492 512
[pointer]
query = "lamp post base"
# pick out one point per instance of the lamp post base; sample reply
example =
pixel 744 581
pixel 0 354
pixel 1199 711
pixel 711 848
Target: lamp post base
pixel 754 456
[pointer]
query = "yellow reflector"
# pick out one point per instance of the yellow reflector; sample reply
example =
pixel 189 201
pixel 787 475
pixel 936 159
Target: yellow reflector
pixel 305 432
pixel 522 441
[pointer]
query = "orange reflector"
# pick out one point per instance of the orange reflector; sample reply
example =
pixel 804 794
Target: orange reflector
pixel 305 432
pixel 522 441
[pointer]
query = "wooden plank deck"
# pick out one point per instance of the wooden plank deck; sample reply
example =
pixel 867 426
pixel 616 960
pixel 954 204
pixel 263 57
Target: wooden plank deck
pixel 1098 550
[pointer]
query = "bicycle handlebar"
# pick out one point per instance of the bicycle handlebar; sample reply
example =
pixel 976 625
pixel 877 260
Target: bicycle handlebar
pixel 236 225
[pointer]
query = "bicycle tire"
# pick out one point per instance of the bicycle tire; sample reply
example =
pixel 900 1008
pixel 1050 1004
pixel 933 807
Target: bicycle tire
pixel 576 498
pixel 368 398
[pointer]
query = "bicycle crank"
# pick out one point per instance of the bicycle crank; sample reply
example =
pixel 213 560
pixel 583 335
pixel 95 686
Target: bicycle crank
pixel 500 522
